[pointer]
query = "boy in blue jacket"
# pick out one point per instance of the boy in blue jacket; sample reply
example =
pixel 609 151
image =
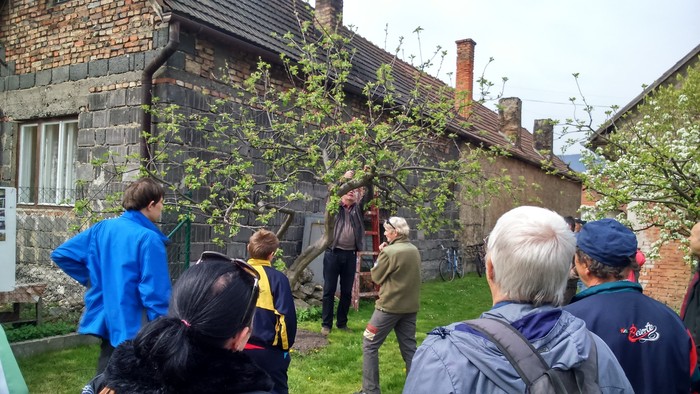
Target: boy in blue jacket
pixel 275 321
pixel 124 265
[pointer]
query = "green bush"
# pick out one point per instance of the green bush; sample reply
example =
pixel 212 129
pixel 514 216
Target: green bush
pixel 308 314
pixel 27 332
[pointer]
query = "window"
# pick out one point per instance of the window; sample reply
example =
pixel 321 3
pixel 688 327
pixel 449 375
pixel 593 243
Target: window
pixel 47 156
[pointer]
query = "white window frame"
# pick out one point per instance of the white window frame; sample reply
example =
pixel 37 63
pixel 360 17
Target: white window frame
pixel 47 168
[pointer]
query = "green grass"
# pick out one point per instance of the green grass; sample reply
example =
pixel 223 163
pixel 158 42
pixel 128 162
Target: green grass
pixel 64 371
pixel 335 369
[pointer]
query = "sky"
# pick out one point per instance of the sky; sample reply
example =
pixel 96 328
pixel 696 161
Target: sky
pixel 616 46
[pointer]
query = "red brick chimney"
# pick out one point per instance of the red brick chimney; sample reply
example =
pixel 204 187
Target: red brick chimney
pixel 329 15
pixel 510 118
pixel 464 76
pixel 543 132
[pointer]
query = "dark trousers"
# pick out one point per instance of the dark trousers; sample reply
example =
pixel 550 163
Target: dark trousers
pixel 276 363
pixel 337 263
pixel 106 350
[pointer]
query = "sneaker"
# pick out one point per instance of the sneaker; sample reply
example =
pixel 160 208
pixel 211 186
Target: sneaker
pixel 325 331
pixel 346 329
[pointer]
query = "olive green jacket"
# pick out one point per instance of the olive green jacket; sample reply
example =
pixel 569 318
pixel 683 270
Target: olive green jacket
pixel 398 273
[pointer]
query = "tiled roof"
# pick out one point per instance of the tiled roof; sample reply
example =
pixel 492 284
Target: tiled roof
pixel 255 21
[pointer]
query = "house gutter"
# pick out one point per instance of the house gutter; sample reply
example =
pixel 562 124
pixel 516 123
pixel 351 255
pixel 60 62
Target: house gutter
pixel 147 84
pixel 198 28
pixel 176 22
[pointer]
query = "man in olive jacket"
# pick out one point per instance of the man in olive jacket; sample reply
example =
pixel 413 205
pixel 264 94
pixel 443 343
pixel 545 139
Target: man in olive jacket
pixel 397 271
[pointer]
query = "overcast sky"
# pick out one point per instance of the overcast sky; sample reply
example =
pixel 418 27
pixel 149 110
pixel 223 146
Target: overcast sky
pixel 615 45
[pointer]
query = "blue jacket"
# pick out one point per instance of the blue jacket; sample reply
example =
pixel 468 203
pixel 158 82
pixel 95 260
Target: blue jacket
pixel 458 359
pixel 123 264
pixel 275 322
pixel 648 338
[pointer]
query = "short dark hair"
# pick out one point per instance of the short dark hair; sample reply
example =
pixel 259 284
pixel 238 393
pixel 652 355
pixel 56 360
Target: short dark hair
pixel 207 307
pixel 571 222
pixel 262 243
pixel 602 271
pixel 140 193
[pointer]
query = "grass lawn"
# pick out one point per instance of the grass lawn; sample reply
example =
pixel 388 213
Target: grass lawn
pixel 335 369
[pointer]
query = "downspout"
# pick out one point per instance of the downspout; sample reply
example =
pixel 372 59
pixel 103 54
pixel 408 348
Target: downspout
pixel 147 84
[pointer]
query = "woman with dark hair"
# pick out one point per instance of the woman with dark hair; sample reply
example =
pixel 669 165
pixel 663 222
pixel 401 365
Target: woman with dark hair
pixel 197 347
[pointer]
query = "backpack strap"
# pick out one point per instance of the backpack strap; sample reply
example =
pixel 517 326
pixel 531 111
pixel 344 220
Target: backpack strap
pixel 515 347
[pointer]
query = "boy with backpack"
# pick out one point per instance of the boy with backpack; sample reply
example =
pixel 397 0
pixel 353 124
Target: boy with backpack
pixel 527 264
pixel 275 321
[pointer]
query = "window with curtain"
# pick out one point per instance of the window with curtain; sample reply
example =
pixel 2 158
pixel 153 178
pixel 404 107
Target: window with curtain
pixel 47 156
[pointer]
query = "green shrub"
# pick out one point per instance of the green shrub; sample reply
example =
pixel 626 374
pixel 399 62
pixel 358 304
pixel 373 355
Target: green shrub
pixel 27 332
pixel 308 314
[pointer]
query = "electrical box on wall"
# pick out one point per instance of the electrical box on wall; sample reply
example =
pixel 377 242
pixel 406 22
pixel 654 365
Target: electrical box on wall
pixel 8 237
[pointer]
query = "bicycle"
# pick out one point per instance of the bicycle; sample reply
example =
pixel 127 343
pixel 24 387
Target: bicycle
pixel 479 258
pixel 451 264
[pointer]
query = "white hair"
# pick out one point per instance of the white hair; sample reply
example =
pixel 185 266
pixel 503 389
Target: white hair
pixel 531 250
pixel 399 224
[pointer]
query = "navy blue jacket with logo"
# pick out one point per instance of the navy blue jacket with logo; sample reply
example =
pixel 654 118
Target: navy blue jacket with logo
pixel 647 337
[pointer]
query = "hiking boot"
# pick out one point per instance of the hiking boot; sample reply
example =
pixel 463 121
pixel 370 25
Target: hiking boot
pixel 325 331
pixel 346 329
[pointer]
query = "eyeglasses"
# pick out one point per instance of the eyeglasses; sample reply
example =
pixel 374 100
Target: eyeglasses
pixel 388 221
pixel 243 265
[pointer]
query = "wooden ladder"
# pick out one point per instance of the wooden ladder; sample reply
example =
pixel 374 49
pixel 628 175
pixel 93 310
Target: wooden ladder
pixel 364 277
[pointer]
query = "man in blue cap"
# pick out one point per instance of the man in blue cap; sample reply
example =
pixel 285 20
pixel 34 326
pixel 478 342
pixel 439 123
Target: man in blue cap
pixel 648 338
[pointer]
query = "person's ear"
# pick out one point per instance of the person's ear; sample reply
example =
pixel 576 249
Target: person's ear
pixel 489 268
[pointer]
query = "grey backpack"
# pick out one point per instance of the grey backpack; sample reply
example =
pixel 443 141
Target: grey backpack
pixel 534 371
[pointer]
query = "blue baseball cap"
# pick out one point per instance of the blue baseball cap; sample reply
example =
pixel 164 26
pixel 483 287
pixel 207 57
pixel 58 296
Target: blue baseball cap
pixel 608 242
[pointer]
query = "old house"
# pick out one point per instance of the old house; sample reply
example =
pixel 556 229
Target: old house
pixel 665 278
pixel 74 75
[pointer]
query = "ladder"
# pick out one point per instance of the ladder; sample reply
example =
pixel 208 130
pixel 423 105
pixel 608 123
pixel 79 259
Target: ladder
pixel 363 279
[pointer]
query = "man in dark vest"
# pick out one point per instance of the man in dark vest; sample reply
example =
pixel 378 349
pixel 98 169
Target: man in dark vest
pixel 340 259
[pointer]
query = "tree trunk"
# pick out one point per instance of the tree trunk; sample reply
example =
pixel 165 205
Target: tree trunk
pixel 309 254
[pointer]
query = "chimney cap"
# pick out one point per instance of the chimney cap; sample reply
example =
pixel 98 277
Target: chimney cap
pixel 465 40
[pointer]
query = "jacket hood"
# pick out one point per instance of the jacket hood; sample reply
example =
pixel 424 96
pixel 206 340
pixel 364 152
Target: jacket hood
pixel 561 339
pixel 215 371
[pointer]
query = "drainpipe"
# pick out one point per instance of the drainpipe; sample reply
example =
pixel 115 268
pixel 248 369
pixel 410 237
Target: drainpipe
pixel 147 83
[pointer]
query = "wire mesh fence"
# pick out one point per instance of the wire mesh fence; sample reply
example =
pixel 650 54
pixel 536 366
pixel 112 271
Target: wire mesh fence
pixel 40 229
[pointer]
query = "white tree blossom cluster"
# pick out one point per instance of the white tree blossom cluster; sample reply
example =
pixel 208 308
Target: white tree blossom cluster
pixel 649 166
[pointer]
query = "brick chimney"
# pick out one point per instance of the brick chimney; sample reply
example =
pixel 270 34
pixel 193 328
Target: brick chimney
pixel 465 75
pixel 329 15
pixel 543 132
pixel 510 118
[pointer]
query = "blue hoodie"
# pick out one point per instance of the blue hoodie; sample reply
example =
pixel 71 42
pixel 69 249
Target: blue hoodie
pixel 124 265
pixel 457 359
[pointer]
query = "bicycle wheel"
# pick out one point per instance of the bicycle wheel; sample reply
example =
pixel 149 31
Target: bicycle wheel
pixel 460 267
pixel 446 271
pixel 480 265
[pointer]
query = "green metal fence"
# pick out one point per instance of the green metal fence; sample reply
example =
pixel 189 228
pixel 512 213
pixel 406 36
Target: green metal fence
pixel 179 248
